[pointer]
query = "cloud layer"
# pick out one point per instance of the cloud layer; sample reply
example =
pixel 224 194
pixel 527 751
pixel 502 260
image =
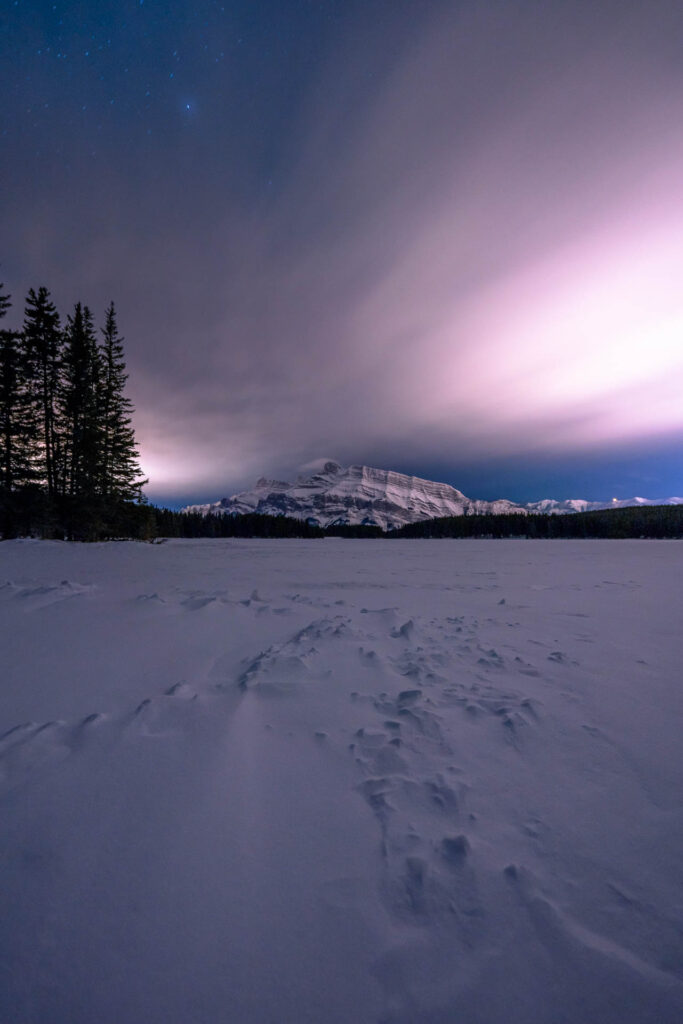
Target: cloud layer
pixel 466 244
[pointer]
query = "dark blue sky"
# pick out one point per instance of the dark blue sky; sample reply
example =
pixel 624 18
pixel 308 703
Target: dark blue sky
pixel 442 238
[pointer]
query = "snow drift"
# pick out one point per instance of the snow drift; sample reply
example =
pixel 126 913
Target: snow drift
pixel 333 781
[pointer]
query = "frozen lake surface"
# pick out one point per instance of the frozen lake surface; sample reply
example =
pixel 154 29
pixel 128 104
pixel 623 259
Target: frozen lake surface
pixel 409 782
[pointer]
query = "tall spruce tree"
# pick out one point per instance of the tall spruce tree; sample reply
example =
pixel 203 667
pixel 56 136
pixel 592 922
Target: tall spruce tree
pixel 12 468
pixel 79 405
pixel 16 435
pixel 5 302
pixel 121 476
pixel 10 384
pixel 42 343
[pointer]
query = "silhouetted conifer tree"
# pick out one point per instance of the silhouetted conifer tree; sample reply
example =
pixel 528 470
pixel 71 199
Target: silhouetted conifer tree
pixel 5 303
pixel 13 466
pixel 69 463
pixel 79 402
pixel 121 477
pixel 17 439
pixel 42 343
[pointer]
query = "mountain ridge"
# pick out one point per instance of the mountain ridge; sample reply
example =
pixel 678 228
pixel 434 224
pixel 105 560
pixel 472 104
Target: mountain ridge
pixel 334 495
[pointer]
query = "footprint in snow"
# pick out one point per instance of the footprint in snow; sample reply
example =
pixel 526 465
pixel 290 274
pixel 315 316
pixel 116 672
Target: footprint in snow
pixel 30 747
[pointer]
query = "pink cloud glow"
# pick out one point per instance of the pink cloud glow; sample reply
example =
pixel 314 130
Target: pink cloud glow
pixel 473 245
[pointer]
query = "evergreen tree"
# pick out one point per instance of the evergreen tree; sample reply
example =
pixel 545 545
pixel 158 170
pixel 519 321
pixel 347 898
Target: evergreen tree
pixel 121 477
pixel 69 463
pixel 5 302
pixel 9 400
pixel 79 402
pixel 16 436
pixel 13 467
pixel 42 342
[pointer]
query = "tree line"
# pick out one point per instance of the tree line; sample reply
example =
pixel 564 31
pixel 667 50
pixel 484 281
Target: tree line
pixel 69 463
pixel 659 521
pixel 167 523
pixel 648 521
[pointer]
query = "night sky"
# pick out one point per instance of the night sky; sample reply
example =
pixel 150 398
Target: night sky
pixel 441 238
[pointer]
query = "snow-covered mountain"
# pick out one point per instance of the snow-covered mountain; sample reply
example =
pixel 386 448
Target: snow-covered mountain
pixel 355 495
pixel 554 507
pixel 352 495
pixel 334 495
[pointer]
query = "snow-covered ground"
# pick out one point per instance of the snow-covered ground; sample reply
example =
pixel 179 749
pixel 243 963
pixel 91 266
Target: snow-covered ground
pixel 418 782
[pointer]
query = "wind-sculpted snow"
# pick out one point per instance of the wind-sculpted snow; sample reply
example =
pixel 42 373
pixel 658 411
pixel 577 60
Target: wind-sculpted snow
pixel 334 781
pixel 378 497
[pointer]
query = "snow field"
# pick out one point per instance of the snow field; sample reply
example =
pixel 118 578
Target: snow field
pixel 408 782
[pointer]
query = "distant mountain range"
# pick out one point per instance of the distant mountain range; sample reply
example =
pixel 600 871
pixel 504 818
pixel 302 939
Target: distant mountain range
pixel 335 494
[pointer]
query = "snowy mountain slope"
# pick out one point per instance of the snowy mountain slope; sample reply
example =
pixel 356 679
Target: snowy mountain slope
pixel 378 497
pixel 554 507
pixel 355 495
